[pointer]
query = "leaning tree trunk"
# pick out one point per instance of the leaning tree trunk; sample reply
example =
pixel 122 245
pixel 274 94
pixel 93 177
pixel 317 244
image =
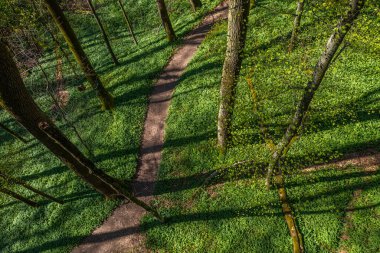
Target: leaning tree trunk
pixel 18 197
pixel 127 21
pixel 17 101
pixel 320 69
pixel 296 24
pixel 195 4
pixel 80 56
pixel 45 23
pixel 13 133
pixel 105 37
pixel 237 28
pixel 166 20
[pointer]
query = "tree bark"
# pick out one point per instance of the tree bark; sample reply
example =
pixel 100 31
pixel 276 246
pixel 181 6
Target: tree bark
pixel 17 101
pixel 80 56
pixel 45 23
pixel 195 4
pixel 13 133
pixel 127 21
pixel 320 69
pixel 237 29
pixel 295 234
pixel 296 24
pixel 166 20
pixel 104 34
pixel 18 197
pixel 29 187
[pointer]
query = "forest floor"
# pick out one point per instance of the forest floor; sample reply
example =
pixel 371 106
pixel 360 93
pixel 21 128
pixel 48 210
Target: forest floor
pixel 121 232
pixel 113 138
pixel 337 209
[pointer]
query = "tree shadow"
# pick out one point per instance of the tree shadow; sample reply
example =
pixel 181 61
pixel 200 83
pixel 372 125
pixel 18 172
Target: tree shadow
pixel 46 173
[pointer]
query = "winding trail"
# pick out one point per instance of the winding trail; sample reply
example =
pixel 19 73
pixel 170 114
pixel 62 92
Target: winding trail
pixel 121 232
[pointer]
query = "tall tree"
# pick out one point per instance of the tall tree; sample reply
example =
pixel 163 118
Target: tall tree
pixel 296 24
pixel 237 29
pixel 80 56
pixel 44 21
pixel 166 20
pixel 130 28
pixel 320 69
pixel 101 27
pixel 17 101
pixel 195 4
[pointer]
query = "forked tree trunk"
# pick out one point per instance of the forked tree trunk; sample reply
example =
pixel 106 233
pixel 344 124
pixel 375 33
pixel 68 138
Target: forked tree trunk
pixel 237 29
pixel 296 24
pixel 166 20
pixel 320 69
pixel 18 197
pixel 13 133
pixel 17 101
pixel 195 4
pixel 105 37
pixel 80 56
pixel 130 28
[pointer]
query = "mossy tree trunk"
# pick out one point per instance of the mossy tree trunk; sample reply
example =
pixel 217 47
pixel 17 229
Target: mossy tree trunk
pixel 296 24
pixel 17 101
pixel 44 21
pixel 104 34
pixel 237 29
pixel 195 4
pixel 320 69
pixel 290 219
pixel 80 56
pixel 166 20
pixel 127 21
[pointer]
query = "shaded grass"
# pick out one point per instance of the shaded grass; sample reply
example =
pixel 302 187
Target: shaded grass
pixel 114 138
pixel 241 216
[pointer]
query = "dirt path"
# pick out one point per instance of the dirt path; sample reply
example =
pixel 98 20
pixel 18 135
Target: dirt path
pixel 120 232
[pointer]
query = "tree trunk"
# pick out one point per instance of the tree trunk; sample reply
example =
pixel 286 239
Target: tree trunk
pixel 45 23
pixel 18 197
pixel 290 219
pixel 320 69
pixel 195 4
pixel 58 45
pixel 13 133
pixel 166 20
pixel 80 56
pixel 29 187
pixel 237 28
pixel 127 21
pixel 105 37
pixel 17 101
pixel 296 24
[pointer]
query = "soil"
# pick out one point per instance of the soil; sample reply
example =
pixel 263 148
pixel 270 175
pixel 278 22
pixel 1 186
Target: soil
pixel 121 232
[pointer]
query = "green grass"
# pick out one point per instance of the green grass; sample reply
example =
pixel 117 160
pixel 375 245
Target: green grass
pixel 239 215
pixel 114 138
